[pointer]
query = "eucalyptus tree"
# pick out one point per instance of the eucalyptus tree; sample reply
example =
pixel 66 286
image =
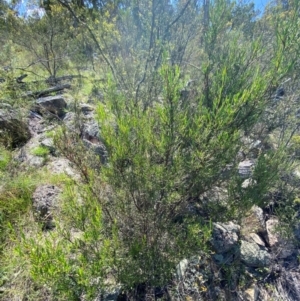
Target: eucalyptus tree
pixel 45 39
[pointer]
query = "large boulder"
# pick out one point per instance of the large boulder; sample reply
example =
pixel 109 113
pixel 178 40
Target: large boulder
pixel 253 256
pixel 53 104
pixel 13 130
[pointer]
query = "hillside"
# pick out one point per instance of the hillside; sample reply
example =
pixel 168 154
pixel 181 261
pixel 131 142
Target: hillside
pixel 150 151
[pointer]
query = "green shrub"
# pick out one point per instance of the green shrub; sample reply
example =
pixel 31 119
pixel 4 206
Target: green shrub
pixel 134 218
pixel 295 146
pixel 40 151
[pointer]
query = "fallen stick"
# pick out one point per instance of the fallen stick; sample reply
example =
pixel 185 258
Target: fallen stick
pixel 47 91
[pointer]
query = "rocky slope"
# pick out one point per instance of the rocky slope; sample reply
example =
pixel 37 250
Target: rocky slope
pixel 250 260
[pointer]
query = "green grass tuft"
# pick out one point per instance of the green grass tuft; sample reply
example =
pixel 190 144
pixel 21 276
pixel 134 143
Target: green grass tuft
pixel 40 151
pixel 4 158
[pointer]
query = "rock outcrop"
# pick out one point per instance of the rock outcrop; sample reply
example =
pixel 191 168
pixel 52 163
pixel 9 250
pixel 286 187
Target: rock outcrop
pixel 248 256
pixel 44 203
pixel 52 104
pixel 14 131
pixel 254 251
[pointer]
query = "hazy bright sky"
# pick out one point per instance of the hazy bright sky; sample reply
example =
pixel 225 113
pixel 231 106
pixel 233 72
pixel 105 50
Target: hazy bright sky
pixel 259 4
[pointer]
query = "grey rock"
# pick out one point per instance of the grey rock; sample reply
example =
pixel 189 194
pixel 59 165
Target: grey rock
pixel 48 143
pixel 91 130
pixel 35 161
pixel 245 168
pixel 44 202
pixel 292 284
pixel 69 119
pixel 253 237
pixel 13 130
pixel 248 183
pixel 286 287
pixel 249 294
pixel 219 293
pixel 86 108
pixel 241 156
pixel 225 236
pixel 219 258
pixel 86 126
pixel 53 104
pixel 281 246
pixel 98 148
pixel 253 222
pixel 36 124
pixel 34 115
pixel 27 157
pixel 63 166
pixel 215 195
pixel 272 233
pixel 111 295
pixel 191 276
pixel 255 149
pixel 73 122
pixel 253 256
pixel 181 269
pixel 256 144
pixel 228 257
